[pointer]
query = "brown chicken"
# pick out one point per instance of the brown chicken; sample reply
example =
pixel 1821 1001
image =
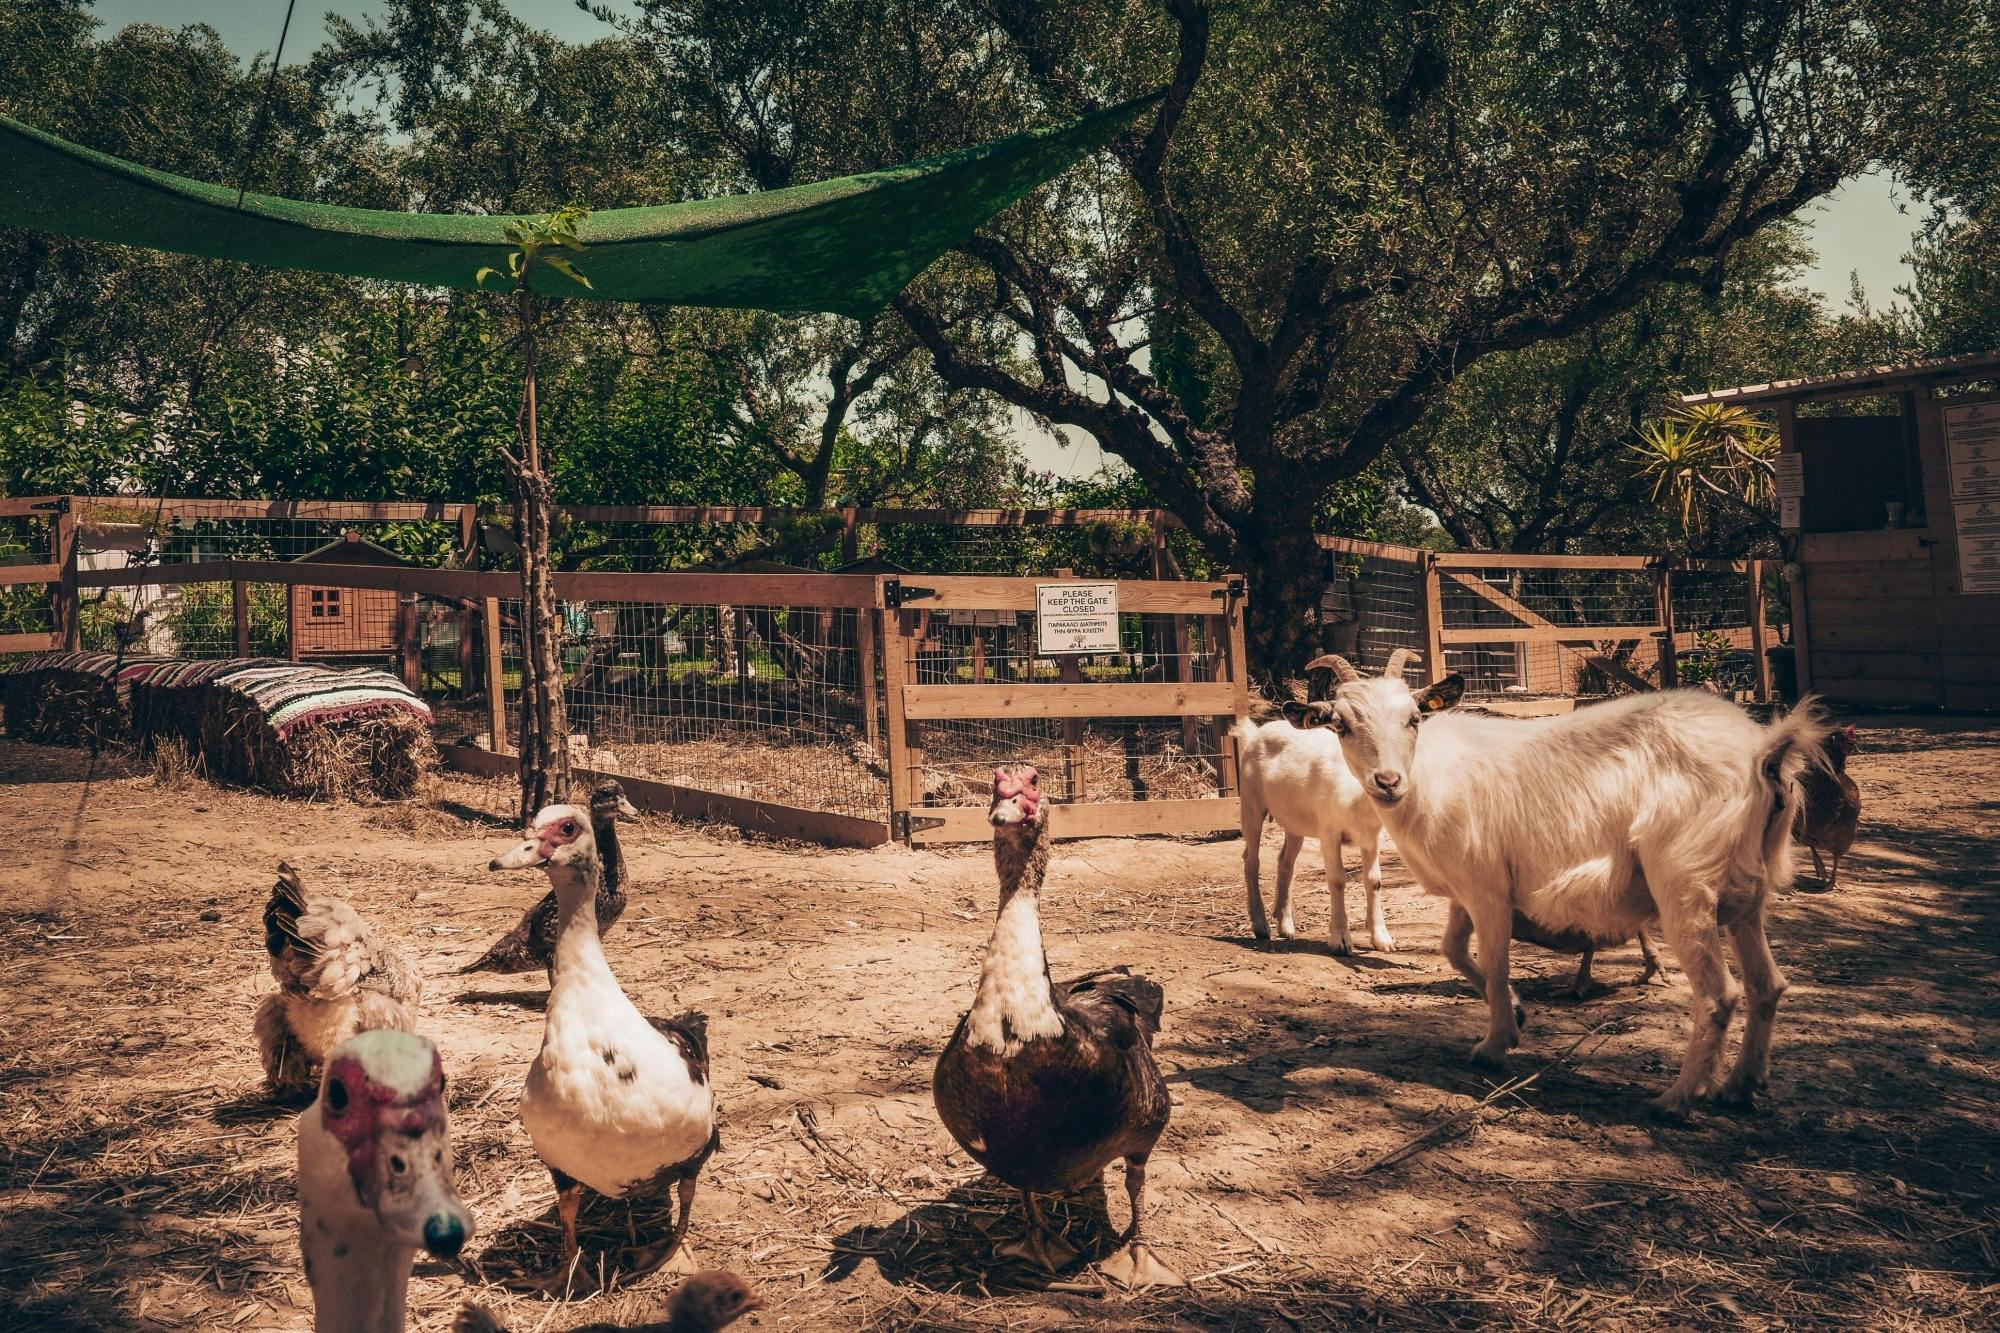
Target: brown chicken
pixel 1831 808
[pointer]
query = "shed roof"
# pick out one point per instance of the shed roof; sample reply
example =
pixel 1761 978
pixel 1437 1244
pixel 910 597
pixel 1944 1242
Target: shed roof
pixel 351 548
pixel 1851 383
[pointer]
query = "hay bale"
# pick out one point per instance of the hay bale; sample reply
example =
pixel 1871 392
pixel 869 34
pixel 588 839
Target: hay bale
pixel 290 728
pixel 65 698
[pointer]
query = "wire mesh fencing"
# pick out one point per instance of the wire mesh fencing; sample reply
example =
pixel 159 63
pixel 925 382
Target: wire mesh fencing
pixel 1081 760
pixel 771 703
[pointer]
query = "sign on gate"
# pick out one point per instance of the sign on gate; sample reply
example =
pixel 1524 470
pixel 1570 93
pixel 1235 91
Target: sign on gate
pixel 1076 618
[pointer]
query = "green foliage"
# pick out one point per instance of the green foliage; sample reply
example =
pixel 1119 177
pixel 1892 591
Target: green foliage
pixel 533 239
pixel 203 621
pixel 1709 455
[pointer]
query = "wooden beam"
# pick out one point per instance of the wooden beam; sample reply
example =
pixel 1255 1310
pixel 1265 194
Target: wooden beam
pixel 496 680
pixel 17 576
pixel 1170 699
pixel 1500 599
pixel 767 817
pixel 1664 592
pixel 1432 609
pixel 978 592
pixel 1619 671
pixel 1554 634
pixel 1373 550
pixel 1093 819
pixel 239 615
pixel 36 642
pixel 896 670
pixel 1496 560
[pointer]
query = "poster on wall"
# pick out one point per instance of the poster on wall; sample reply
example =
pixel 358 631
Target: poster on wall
pixel 1978 545
pixel 1972 450
pixel 1076 618
pixel 1789 482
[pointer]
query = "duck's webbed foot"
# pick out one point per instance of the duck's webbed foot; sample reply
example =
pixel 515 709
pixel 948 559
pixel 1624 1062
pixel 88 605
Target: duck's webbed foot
pixel 1037 1245
pixel 1137 1266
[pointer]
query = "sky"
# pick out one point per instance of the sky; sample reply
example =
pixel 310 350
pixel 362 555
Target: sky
pixel 1861 229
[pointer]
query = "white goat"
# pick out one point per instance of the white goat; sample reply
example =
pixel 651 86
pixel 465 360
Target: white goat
pixel 1673 804
pixel 1293 769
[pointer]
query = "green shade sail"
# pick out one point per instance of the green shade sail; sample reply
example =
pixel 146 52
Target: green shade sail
pixel 846 246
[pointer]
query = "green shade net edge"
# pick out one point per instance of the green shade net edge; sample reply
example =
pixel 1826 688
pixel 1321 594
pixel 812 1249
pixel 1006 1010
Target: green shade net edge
pixel 844 246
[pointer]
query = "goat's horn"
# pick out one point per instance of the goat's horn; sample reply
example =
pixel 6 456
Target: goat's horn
pixel 1343 670
pixel 1393 668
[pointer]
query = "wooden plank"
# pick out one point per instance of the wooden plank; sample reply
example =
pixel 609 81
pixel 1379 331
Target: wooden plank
pixel 814 590
pixel 1966 668
pixel 1554 634
pixel 1900 579
pixel 37 642
pixel 1872 636
pixel 1874 690
pixel 1015 699
pixel 17 506
pixel 767 817
pixel 1848 664
pixel 895 687
pixel 1500 599
pixel 1433 622
pixel 767 515
pixel 496 680
pixel 1664 593
pixel 239 615
pixel 331 511
pixel 1880 610
pixel 1817 548
pixel 1497 560
pixel 1759 632
pixel 977 592
pixel 14 576
pixel 867 688
pixel 67 553
pixel 1619 671
pixel 1971 695
pixel 1095 819
pixel 1372 550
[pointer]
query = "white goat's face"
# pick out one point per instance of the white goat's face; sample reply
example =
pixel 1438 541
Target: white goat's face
pixel 1378 721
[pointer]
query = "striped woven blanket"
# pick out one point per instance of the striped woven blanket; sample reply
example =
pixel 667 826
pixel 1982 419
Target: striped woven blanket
pixel 98 664
pixel 294 694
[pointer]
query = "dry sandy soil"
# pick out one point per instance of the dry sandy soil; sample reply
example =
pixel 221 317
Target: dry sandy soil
pixel 1333 1160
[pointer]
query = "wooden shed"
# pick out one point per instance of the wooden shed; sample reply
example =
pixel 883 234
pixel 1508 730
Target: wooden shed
pixel 1890 480
pixel 328 620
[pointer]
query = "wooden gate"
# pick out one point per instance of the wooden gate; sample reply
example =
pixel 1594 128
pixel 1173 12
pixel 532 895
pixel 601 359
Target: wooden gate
pixel 966 688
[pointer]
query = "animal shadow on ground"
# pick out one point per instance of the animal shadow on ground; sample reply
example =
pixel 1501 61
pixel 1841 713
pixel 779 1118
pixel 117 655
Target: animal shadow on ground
pixel 1361 960
pixel 953 1243
pixel 537 1000
pixel 524 1251
pixel 258 1106
pixel 472 814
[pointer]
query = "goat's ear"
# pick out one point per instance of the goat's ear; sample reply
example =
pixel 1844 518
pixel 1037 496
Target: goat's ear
pixel 1436 698
pixel 1298 713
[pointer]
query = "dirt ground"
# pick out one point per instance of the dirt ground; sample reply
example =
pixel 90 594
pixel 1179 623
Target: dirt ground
pixel 149 1185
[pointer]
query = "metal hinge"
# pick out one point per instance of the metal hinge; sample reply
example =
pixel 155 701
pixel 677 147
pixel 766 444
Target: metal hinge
pixel 902 824
pixel 1233 586
pixel 59 505
pixel 895 592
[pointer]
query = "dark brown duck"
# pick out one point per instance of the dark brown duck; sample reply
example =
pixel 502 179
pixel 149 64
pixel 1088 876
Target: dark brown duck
pixel 1045 1085
pixel 532 941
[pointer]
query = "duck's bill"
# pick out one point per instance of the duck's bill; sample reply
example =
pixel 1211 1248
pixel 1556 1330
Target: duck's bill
pixel 627 809
pixel 525 857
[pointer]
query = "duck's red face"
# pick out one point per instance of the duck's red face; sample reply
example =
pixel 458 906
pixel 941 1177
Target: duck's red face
pixel 384 1105
pixel 1017 796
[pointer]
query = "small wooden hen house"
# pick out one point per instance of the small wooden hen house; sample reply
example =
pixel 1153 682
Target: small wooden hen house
pixel 328 620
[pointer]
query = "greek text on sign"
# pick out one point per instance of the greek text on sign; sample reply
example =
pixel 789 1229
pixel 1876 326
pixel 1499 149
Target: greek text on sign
pixel 1076 618
pixel 1972 450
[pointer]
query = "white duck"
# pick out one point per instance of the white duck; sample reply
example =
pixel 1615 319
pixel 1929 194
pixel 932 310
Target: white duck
pixel 615 1101
pixel 375 1180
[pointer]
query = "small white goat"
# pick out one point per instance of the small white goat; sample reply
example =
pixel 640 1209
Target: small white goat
pixel 1673 804
pixel 1293 770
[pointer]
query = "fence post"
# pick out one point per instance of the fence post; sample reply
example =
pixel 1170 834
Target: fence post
pixel 896 664
pixel 496 684
pixel 66 605
pixel 1762 664
pixel 1069 670
pixel 1664 594
pixel 239 615
pixel 1431 604
pixel 1235 661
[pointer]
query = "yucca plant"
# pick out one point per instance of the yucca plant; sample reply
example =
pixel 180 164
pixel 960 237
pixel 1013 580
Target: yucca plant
pixel 1709 455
